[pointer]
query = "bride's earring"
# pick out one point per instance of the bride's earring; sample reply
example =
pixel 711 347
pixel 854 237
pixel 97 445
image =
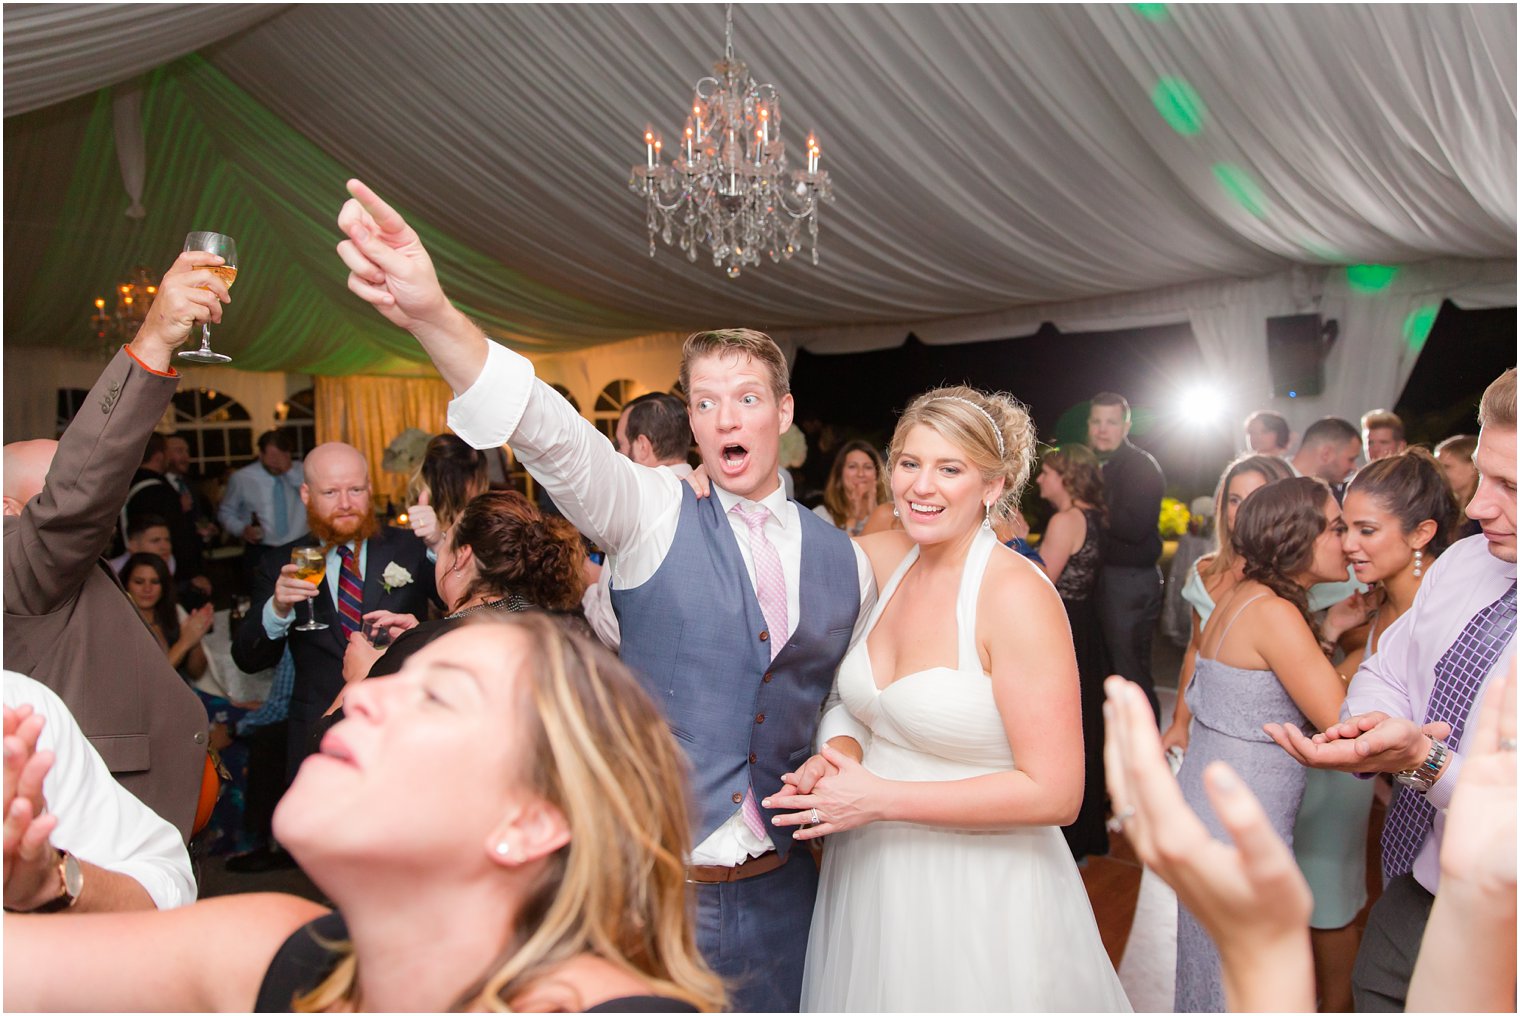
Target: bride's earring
pixel 987 518
pixel 895 513
pixel 1419 561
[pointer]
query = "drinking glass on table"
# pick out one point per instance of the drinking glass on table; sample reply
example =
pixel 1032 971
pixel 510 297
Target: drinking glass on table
pixel 226 249
pixel 310 563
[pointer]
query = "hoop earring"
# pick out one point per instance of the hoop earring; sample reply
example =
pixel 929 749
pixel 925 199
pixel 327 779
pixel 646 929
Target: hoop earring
pixel 1419 560
pixel 987 518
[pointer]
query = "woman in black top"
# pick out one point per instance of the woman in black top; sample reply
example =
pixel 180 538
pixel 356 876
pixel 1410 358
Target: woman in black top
pixel 501 824
pixel 1071 481
pixel 500 555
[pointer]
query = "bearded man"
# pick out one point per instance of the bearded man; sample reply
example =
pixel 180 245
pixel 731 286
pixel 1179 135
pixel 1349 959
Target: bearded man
pixel 368 568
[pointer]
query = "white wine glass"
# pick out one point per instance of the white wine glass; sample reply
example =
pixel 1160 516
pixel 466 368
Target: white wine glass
pixel 225 248
pixel 310 563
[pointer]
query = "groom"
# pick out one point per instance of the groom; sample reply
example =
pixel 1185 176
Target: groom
pixel 735 610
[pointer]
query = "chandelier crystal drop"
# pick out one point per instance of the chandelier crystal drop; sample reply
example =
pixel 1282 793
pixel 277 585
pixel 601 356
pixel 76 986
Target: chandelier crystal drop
pixel 728 189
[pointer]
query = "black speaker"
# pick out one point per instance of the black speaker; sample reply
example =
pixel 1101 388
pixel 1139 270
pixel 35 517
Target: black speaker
pixel 1297 345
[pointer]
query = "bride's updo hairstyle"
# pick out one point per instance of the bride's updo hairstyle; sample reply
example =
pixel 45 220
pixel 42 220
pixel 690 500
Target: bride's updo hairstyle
pixel 993 429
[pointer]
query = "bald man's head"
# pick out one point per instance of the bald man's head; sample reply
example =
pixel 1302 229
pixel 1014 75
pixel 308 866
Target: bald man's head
pixel 336 493
pixel 26 468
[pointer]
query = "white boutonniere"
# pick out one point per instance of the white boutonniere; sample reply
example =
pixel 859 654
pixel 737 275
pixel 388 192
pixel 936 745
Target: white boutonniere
pixel 394 577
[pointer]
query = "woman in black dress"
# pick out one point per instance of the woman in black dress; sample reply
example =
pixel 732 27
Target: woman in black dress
pixel 503 824
pixel 1071 481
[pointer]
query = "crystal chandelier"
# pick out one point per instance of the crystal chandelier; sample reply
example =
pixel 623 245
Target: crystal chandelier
pixel 728 188
pixel 133 298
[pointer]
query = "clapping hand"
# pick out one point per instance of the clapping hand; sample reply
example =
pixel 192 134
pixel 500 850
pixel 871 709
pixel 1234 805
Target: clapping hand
pixel 197 623
pixel 839 800
pixel 30 860
pixel 1249 895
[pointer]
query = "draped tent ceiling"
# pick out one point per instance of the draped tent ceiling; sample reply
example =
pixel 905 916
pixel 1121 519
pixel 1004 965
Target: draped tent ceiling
pixel 990 162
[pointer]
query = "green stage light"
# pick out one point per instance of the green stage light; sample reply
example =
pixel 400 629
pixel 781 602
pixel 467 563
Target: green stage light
pixel 1370 278
pixel 1152 12
pixel 1179 105
pixel 1417 326
pixel 1241 187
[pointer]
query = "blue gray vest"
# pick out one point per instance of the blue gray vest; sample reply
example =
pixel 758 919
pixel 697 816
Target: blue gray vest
pixel 695 636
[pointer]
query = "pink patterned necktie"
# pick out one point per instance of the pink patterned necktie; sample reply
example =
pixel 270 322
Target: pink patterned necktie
pixel 770 590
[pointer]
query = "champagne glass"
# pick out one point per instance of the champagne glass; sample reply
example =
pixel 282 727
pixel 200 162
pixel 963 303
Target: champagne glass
pixel 310 563
pixel 224 247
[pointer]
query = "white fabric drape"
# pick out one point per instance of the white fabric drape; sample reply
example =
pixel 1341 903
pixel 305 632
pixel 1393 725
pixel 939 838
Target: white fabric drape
pixel 988 160
pixel 54 52
pixel 131 145
pixel 984 156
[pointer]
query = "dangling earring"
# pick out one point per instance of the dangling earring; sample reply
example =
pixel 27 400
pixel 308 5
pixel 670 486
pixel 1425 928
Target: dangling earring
pixel 1418 561
pixel 895 513
pixel 987 518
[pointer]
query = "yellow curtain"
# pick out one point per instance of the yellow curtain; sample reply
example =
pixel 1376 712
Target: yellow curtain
pixel 369 412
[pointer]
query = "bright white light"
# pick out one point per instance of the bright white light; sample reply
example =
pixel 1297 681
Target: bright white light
pixel 1203 403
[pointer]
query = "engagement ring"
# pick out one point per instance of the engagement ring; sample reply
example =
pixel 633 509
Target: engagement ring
pixel 1116 824
pixel 813 817
pixel 1507 744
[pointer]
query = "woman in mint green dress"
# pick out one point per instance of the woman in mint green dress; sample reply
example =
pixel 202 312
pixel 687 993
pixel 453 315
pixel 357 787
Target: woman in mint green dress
pixel 1400 515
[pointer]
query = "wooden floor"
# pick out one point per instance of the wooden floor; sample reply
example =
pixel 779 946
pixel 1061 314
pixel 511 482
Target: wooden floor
pixel 1113 885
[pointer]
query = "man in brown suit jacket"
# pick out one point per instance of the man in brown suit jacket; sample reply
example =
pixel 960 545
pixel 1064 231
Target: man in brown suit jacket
pixel 68 623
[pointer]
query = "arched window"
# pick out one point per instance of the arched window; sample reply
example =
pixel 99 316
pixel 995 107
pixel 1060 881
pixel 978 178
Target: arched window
pixel 298 416
pixel 217 428
pixel 610 402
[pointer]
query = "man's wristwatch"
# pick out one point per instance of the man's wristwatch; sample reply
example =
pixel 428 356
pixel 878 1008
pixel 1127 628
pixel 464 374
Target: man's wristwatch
pixel 1423 776
pixel 71 884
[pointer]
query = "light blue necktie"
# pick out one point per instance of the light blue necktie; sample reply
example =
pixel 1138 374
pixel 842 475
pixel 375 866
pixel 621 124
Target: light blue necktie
pixel 281 511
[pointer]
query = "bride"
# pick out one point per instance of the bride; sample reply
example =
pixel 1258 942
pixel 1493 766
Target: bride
pixel 946 883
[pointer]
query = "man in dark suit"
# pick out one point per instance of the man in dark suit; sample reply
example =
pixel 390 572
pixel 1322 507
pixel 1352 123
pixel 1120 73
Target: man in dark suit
pixel 369 567
pixel 68 624
pixel 151 493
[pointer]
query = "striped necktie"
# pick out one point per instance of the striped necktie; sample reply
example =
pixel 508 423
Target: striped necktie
pixel 770 590
pixel 350 593
pixel 1459 676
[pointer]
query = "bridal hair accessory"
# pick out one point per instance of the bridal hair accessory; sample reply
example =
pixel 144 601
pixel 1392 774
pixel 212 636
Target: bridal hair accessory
pixel 1418 561
pixel 996 430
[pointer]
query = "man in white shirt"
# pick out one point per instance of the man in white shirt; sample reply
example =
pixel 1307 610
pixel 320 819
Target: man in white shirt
pixel 708 593
pixel 82 842
pixel 269 488
pixel 1408 704
pixel 652 431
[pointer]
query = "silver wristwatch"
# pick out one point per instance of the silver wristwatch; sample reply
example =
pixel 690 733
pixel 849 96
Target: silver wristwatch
pixel 1423 776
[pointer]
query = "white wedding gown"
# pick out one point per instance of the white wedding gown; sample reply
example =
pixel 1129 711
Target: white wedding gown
pixel 924 918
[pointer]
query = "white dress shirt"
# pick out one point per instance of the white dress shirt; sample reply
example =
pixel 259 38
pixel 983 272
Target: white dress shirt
pixel 99 820
pixel 253 489
pixel 629 510
pixel 1400 676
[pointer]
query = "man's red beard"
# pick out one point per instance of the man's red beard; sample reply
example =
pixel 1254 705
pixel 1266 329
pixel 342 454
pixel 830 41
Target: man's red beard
pixel 349 530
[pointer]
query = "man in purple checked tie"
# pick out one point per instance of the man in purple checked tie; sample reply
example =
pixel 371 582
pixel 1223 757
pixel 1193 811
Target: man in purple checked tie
pixel 1409 705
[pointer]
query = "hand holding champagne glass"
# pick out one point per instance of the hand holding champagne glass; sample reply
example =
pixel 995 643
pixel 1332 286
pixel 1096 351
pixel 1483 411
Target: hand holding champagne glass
pixel 225 248
pixel 310 563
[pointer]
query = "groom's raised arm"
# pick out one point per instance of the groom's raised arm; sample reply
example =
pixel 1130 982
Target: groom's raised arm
pixel 497 398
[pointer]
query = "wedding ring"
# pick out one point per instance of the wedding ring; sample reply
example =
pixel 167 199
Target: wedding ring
pixel 1116 824
pixel 1507 744
pixel 813 818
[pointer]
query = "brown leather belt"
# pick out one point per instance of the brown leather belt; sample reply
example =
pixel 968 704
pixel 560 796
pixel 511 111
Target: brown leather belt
pixel 749 869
